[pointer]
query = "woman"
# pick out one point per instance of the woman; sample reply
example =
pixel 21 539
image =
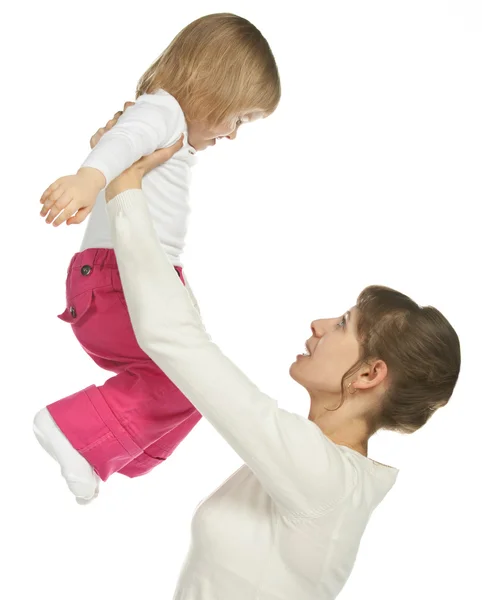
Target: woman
pixel 287 525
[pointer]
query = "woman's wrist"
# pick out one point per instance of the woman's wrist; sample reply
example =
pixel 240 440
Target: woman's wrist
pixel 129 180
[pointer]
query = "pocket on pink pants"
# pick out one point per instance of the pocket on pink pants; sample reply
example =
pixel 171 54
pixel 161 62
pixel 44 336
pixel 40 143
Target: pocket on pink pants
pixel 78 308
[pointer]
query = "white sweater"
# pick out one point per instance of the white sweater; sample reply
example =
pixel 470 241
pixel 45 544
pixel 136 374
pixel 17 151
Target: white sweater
pixel 287 525
pixel 155 121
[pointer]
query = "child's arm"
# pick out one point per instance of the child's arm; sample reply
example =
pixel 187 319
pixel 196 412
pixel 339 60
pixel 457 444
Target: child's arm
pixel 72 194
pixel 149 124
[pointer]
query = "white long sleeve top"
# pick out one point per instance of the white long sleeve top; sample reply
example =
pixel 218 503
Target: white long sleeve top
pixel 286 525
pixel 155 121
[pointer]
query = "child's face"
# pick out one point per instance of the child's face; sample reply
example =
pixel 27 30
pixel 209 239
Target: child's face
pixel 201 135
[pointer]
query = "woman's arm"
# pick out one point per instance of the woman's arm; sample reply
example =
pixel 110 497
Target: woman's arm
pixel 303 471
pixel 191 294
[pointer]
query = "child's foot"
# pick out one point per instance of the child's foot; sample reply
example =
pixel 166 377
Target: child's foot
pixel 81 478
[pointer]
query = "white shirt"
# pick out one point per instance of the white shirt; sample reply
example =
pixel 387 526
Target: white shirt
pixel 155 121
pixel 288 524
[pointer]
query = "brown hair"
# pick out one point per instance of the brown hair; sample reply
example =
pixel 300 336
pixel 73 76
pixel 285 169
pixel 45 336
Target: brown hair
pixel 217 67
pixel 421 350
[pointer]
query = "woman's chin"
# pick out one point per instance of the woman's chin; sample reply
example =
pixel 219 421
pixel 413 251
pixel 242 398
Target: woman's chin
pixel 295 371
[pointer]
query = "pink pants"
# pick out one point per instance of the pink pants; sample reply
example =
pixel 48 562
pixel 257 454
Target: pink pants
pixel 138 417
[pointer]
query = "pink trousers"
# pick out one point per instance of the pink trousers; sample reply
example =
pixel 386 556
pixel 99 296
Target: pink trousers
pixel 138 417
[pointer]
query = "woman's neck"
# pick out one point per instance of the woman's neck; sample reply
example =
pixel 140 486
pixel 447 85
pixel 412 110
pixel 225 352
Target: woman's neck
pixel 342 428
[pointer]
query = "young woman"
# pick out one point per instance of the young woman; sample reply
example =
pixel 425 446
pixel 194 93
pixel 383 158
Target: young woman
pixel 287 524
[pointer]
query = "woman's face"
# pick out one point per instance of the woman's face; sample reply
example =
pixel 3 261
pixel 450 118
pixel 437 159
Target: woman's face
pixel 332 350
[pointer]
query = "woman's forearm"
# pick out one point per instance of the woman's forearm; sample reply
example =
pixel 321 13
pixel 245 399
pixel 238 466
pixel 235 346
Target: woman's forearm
pixel 278 446
pixel 129 180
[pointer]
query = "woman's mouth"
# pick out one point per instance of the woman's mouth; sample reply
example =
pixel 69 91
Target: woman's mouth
pixel 305 354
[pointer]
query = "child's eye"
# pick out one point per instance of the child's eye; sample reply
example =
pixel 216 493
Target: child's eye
pixel 342 323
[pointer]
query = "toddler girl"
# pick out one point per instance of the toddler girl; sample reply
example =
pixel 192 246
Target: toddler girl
pixel 218 73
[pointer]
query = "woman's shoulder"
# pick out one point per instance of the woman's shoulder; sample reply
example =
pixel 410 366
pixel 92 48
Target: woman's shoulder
pixel 374 479
pixel 335 472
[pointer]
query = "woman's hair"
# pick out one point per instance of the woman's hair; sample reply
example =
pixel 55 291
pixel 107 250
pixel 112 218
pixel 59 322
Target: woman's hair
pixel 421 350
pixel 217 67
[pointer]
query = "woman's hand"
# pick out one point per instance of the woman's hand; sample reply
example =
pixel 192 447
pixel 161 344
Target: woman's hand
pixel 131 178
pixel 94 140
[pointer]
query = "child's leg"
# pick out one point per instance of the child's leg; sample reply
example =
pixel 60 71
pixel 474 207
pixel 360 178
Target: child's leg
pixel 79 475
pixel 157 452
pixel 112 425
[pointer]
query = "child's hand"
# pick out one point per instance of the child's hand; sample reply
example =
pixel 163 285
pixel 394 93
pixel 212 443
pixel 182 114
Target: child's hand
pixel 75 195
pixel 72 198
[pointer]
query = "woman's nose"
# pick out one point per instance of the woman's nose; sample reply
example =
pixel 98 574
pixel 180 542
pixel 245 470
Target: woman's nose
pixel 317 328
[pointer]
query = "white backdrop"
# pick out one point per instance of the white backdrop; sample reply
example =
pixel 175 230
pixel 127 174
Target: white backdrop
pixel 369 172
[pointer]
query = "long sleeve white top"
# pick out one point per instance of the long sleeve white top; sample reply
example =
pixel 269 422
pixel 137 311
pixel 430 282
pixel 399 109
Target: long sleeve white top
pixel 155 121
pixel 285 526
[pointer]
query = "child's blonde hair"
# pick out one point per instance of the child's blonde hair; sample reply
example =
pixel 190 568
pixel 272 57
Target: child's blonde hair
pixel 217 67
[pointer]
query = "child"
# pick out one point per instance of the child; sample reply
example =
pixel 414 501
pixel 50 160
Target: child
pixel 218 73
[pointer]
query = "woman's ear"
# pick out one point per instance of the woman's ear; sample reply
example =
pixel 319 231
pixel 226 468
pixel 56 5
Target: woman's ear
pixel 370 375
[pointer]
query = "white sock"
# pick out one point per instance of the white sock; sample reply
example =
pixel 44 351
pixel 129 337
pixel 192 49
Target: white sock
pixel 81 478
